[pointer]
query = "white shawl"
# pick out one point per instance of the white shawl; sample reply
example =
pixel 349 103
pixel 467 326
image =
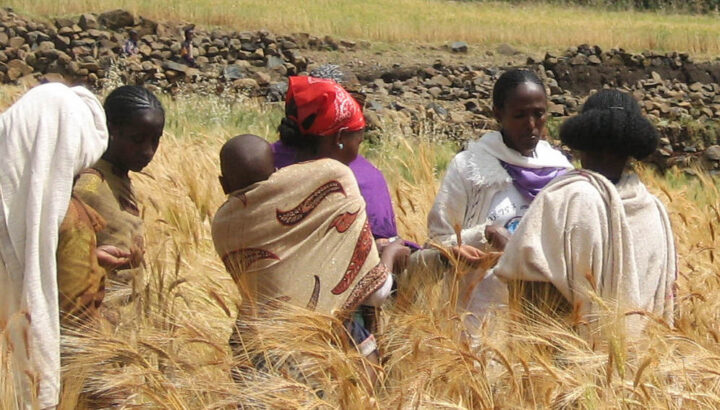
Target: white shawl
pixel 46 138
pixel 585 235
pixel 473 178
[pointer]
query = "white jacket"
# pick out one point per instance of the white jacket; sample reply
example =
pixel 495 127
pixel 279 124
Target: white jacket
pixel 473 179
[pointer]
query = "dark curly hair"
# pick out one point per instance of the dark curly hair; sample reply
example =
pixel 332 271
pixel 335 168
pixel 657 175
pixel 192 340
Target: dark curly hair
pixel 611 121
pixel 123 102
pixel 509 81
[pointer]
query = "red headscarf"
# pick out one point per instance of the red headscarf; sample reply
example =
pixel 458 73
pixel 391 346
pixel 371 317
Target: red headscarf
pixel 333 107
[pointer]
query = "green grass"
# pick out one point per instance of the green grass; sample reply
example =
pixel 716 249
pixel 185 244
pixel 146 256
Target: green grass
pixel 484 24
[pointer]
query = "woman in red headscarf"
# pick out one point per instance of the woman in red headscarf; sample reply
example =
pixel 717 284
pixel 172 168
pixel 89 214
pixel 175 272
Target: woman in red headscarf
pixel 305 237
pixel 372 183
pixel 322 120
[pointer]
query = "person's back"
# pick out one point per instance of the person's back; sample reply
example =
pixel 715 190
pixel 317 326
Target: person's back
pixel 597 232
pixel 653 244
pixel 305 235
pixel 371 182
pixel 283 250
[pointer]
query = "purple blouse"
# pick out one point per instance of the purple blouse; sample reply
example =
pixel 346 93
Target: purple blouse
pixel 373 188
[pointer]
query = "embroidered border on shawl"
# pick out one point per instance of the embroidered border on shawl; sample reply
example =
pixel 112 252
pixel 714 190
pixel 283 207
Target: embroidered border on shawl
pixel 360 254
pixel 300 212
pixel 369 283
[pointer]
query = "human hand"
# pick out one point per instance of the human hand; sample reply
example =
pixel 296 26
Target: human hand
pixel 110 257
pixel 381 244
pixel 474 257
pixel 467 254
pixel 395 255
pixel 497 236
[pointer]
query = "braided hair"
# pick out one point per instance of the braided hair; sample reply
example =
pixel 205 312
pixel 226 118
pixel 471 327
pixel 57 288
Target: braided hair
pixel 124 102
pixel 509 81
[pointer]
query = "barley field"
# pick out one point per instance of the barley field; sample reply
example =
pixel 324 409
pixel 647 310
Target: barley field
pixel 482 24
pixel 168 347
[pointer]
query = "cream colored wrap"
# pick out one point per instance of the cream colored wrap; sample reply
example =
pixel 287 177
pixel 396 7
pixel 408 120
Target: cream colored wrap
pixel 585 235
pixel 303 237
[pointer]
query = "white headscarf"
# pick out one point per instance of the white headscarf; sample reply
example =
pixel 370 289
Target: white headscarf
pixel 46 138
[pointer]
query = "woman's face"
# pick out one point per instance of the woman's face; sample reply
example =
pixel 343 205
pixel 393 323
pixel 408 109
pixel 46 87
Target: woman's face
pixel 132 146
pixel 523 117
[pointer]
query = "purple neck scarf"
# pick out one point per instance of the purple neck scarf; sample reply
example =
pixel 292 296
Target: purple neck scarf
pixel 529 181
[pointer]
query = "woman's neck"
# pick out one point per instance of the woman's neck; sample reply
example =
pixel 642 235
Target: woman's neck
pixel 303 155
pixel 608 165
pixel 118 169
pixel 508 143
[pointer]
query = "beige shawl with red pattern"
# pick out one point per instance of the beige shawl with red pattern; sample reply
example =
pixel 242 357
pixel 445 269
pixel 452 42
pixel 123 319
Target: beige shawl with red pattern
pixel 301 236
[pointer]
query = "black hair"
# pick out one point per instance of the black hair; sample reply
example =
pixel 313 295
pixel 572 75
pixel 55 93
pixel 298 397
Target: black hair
pixel 290 133
pixel 509 81
pixel 611 121
pixel 124 102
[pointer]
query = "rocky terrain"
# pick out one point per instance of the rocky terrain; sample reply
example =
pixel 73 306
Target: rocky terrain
pixel 679 94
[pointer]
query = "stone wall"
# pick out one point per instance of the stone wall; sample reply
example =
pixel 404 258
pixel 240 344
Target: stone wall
pixel 678 94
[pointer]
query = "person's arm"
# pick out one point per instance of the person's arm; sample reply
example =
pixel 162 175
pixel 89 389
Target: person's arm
pixel 497 236
pixel 374 190
pixel 447 215
pixel 380 296
pixel 394 257
pixel 80 277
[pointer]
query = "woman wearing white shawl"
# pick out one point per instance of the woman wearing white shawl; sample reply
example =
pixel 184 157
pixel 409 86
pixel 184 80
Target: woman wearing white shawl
pixel 46 138
pixel 489 186
pixel 598 231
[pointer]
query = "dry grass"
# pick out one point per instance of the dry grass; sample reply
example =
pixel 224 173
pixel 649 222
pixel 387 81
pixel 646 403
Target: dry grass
pixel 483 24
pixel 170 348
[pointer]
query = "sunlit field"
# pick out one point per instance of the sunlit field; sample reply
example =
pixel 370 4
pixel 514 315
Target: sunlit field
pixel 168 347
pixel 483 24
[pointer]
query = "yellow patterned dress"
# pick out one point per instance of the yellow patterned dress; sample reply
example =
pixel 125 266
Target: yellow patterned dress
pixel 81 279
pixel 109 191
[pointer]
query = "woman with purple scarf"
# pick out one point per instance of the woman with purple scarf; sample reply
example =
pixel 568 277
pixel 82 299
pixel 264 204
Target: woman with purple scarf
pixel 489 186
